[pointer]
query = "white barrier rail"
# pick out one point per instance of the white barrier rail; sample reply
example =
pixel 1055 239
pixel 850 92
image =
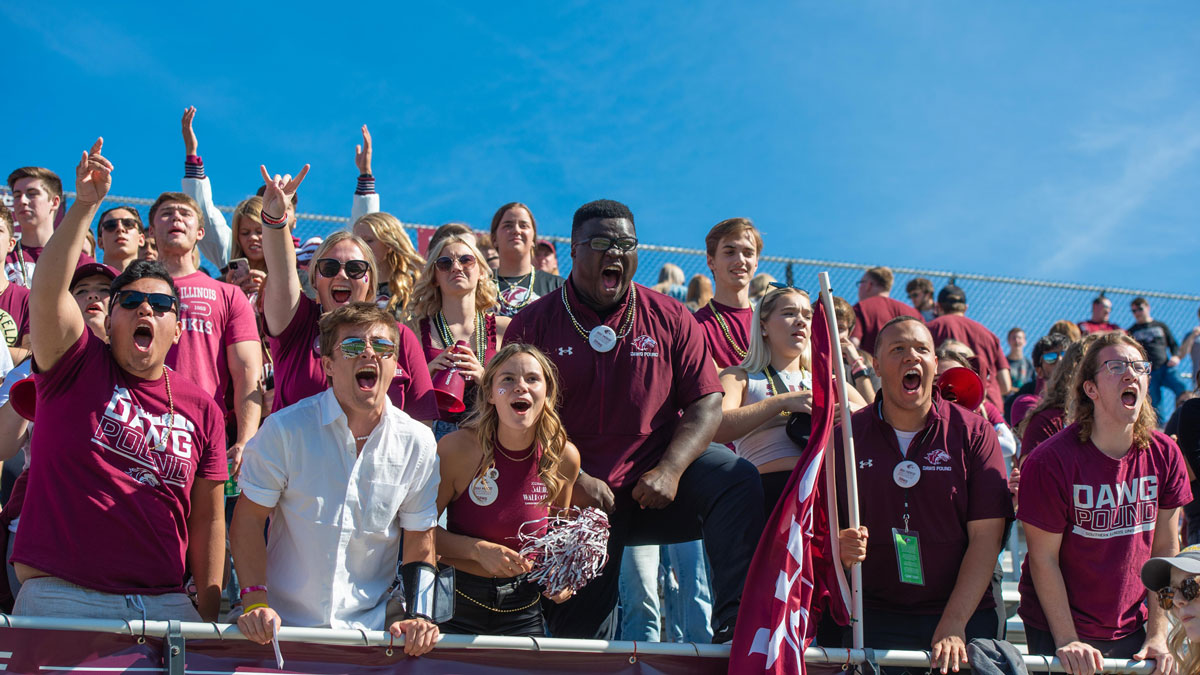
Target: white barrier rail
pixel 361 638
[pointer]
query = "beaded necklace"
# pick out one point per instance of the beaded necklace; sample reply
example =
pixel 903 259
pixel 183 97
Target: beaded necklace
pixel 725 329
pixel 443 328
pixel 528 296
pixel 628 313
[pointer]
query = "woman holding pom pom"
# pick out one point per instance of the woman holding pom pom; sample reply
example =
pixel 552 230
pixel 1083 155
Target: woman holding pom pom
pixel 511 464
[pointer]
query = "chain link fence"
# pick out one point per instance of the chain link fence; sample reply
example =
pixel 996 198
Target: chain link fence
pixel 1000 303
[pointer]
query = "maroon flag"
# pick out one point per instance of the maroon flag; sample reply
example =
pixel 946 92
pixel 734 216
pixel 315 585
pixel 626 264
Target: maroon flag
pixel 794 576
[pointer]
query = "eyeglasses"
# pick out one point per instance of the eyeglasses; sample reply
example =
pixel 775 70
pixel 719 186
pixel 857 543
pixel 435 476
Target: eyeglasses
pixel 1051 357
pixel 1187 591
pixel 1118 367
pixel 112 224
pixel 161 303
pixel 329 268
pixel 354 347
pixel 606 244
pixel 446 263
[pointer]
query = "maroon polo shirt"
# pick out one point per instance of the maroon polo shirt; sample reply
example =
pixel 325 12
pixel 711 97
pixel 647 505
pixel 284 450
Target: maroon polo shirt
pixel 621 408
pixel 872 313
pixel 738 322
pixel 962 479
pixel 1098 327
pixel 982 341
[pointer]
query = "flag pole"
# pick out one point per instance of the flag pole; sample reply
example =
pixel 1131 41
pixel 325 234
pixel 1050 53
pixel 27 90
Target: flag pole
pixel 856 612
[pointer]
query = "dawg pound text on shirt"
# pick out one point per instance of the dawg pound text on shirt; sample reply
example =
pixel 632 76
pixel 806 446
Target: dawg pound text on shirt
pixel 129 431
pixel 1106 511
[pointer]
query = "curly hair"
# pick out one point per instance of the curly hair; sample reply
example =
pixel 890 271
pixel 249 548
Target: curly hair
pixel 426 299
pixel 1058 388
pixel 401 257
pixel 1082 410
pixel 549 433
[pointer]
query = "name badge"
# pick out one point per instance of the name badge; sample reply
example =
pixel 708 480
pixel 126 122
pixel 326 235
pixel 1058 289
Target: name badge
pixel 908 556
pixel 483 490
pixel 906 474
pixel 602 338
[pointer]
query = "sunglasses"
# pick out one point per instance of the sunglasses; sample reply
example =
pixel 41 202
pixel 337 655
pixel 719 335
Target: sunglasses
pixel 1187 591
pixel 781 285
pixel 1051 357
pixel 112 224
pixel 606 244
pixel 329 268
pixel 161 303
pixel 1118 367
pixel 354 347
pixel 1137 309
pixel 446 263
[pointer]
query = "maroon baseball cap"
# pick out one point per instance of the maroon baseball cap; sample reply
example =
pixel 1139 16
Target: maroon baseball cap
pixel 92 269
pixel 548 244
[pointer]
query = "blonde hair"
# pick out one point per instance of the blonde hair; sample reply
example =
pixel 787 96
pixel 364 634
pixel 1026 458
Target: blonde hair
pixel 1082 409
pixel 1066 329
pixel 548 432
pixel 758 354
pixel 882 276
pixel 346 235
pixel 1186 656
pixel 401 257
pixel 669 275
pixel 427 297
pixel 248 208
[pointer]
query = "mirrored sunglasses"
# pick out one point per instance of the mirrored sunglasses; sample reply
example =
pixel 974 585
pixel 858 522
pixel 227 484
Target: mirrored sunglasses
pixel 354 347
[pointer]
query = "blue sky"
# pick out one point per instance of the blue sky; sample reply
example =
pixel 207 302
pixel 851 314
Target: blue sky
pixel 1053 140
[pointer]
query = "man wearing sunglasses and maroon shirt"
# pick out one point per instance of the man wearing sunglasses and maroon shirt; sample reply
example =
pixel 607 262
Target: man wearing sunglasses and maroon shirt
pixel 121 237
pixel 115 423
pixel 641 401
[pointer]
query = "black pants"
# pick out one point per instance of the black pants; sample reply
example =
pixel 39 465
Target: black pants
pixel 719 499
pixel 894 630
pixel 520 612
pixel 1042 642
pixel 773 484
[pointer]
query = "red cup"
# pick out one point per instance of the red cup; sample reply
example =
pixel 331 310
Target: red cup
pixel 23 396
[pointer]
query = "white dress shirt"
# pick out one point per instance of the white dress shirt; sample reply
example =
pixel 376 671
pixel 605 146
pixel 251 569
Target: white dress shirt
pixel 334 538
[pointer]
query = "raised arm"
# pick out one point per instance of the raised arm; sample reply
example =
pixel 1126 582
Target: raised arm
pixel 217 233
pixel 281 291
pixel 366 200
pixel 55 322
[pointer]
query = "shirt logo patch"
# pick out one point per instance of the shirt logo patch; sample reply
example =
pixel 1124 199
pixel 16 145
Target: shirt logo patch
pixel 566 351
pixel 936 457
pixel 644 345
pixel 161 453
pixel 866 464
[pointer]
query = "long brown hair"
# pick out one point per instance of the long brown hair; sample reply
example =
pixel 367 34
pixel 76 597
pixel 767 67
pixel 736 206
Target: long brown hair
pixel 548 432
pixel 1081 408
pixel 1058 388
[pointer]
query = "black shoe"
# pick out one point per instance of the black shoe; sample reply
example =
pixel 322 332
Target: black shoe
pixel 724 635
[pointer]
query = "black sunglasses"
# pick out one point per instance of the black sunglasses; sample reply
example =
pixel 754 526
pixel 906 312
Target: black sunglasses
pixel 161 303
pixel 329 268
pixel 1188 590
pixel 112 224
pixel 446 263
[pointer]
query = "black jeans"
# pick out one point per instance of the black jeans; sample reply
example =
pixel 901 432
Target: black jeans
pixel 513 607
pixel 894 630
pixel 1042 642
pixel 719 499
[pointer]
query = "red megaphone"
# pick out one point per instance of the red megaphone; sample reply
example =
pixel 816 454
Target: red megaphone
pixel 962 386
pixel 448 388
pixel 23 396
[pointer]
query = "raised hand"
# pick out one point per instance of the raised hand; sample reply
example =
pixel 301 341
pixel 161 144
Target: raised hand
pixel 93 175
pixel 189 136
pixel 279 191
pixel 362 153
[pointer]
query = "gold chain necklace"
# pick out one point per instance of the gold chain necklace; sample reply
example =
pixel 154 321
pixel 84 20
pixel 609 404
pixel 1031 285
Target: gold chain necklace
pixel 443 328
pixel 725 329
pixel 628 313
pixel 162 442
pixel 770 373
pixel 500 449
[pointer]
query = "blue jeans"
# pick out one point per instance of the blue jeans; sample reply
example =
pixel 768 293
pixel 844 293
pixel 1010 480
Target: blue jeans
pixel 1164 376
pixel 682 572
pixel 639 594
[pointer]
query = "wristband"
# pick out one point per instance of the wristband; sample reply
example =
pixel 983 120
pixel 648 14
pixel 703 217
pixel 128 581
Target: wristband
pixel 272 223
pixel 366 185
pixel 257 605
pixel 251 589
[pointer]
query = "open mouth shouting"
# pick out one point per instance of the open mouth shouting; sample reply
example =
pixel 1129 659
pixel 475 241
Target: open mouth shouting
pixel 611 277
pixel 910 382
pixel 1129 397
pixel 522 406
pixel 143 336
pixel 340 293
pixel 367 376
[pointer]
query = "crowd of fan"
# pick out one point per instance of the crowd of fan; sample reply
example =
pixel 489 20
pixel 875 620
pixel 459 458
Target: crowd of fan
pixel 385 416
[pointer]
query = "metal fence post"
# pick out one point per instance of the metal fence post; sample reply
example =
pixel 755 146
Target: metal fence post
pixel 175 649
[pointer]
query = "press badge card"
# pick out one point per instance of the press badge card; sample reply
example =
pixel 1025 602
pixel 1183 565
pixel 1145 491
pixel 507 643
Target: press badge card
pixel 908 556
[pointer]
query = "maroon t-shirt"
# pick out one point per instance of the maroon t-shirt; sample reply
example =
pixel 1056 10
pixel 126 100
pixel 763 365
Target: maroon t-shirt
pixel 982 341
pixel 1043 425
pixel 432 353
pixel 621 407
pixel 298 372
pixel 215 316
pixel 737 320
pixel 962 479
pixel 1106 510
pixel 870 315
pixel 106 507
pixel 1098 327
pixel 518 500
pixel 14 314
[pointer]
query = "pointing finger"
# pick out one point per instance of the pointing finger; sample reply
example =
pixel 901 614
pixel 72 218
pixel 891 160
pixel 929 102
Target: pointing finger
pixel 266 176
pixel 97 146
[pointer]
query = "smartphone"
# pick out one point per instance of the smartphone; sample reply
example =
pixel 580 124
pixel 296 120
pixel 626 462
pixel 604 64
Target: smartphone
pixel 240 268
